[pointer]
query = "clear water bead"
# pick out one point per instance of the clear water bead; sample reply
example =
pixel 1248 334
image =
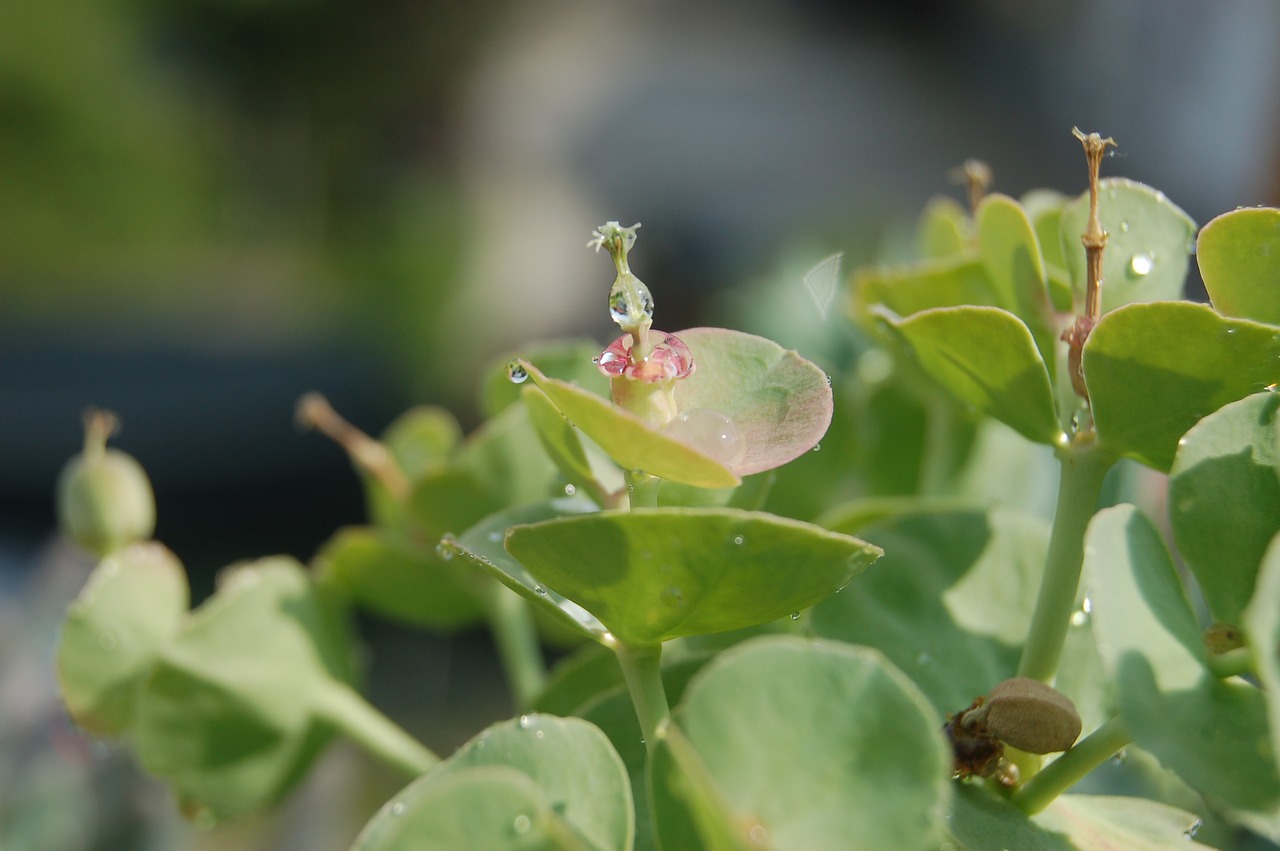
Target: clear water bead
pixel 670 359
pixel 711 433
pixel 1140 265
pixel 620 311
pixel 516 373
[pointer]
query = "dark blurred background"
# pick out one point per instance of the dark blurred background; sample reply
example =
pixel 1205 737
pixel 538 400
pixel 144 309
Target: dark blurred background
pixel 209 207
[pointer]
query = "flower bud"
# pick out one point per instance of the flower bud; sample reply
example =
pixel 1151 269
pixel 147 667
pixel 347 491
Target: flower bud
pixel 1028 715
pixel 104 497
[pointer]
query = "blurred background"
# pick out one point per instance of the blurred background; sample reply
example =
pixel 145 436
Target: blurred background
pixel 210 207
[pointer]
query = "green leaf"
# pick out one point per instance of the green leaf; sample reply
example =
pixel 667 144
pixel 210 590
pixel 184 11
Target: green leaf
pixel 504 455
pixel 981 820
pixel 950 602
pixel 1149 242
pixel 629 441
pixel 1211 732
pixel 133 603
pixel 574 775
pixel 421 439
pixel 1011 255
pixel 986 357
pixel 228 714
pixel 1239 257
pixel 486 808
pixel 779 401
pixel 568 360
pixel 563 445
pixel 1154 370
pixel 817 745
pixel 1044 208
pixel 1262 632
pixel 651 575
pixel 950 282
pixel 945 229
pixel 482 545
pixel 386 573
pixel 1224 500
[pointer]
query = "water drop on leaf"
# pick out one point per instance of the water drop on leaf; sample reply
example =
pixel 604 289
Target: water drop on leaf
pixel 516 373
pixel 1140 265
pixel 522 825
pixel 570 490
pixel 711 433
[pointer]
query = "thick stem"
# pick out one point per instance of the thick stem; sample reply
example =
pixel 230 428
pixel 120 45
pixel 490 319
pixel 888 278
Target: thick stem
pixel 1233 663
pixel 641 666
pixel 1064 772
pixel 345 709
pixel 1083 469
pixel 514 634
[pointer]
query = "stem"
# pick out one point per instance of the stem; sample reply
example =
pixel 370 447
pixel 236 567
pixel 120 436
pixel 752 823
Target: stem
pixel 939 449
pixel 642 488
pixel 516 638
pixel 344 708
pixel 1063 773
pixel 314 411
pixel 1232 663
pixel 99 426
pixel 641 667
pixel 1083 469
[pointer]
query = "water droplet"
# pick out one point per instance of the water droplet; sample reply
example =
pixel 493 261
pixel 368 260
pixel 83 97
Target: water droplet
pixel 817 447
pixel 1086 605
pixel 1119 757
pixel 924 659
pixel 625 313
pixel 540 589
pixel 739 540
pixel 516 373
pixel 570 490
pixel 669 359
pixel 539 734
pixel 522 824
pixel 446 549
pixel 759 836
pixel 397 808
pixel 528 722
pixel 1193 829
pixel 711 433
pixel 795 616
pixel 1124 227
pixel 1079 617
pixel 1140 265
pixel 108 641
pixel 595 359
pixel 672 596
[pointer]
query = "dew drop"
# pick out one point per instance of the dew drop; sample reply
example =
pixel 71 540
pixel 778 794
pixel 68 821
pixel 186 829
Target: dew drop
pixel 540 589
pixel 539 734
pixel 620 311
pixel 1140 265
pixel 1079 618
pixel 516 373
pixel 1124 227
pixel 817 447
pixel 397 808
pixel 711 433
pixel 1193 829
pixel 445 549
pixel 570 490
pixel 739 540
pixel 759 836
pixel 528 722
pixel 924 659
pixel 672 596
pixel 522 824
pixel 1119 757
pixel 795 616
pixel 494 536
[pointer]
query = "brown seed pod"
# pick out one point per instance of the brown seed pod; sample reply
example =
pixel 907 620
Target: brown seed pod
pixel 1028 715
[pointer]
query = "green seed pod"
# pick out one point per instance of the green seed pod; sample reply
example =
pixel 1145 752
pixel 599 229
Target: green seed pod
pixel 1028 715
pixel 104 496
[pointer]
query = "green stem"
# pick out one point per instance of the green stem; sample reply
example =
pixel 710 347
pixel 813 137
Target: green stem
pixel 1233 663
pixel 939 448
pixel 344 708
pixel 516 637
pixel 1064 772
pixel 1083 469
pixel 641 666
pixel 643 489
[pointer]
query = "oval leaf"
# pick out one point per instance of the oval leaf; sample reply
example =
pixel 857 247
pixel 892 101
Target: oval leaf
pixel 1211 732
pixel 950 282
pixel 1224 500
pixel 567 360
pixel 1239 257
pixel 651 575
pixel 231 726
pixel 986 357
pixel 818 746
pixel 1154 370
pixel 1262 630
pixel 385 573
pixel 568 762
pixel 133 603
pixel 563 445
pixel 1149 242
pixel 1011 255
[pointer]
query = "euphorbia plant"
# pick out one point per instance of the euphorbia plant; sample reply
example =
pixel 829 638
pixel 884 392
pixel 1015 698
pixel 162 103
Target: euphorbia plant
pixel 717 692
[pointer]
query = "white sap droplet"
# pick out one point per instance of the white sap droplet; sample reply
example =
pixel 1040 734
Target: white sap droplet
pixel 1140 265
pixel 711 433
